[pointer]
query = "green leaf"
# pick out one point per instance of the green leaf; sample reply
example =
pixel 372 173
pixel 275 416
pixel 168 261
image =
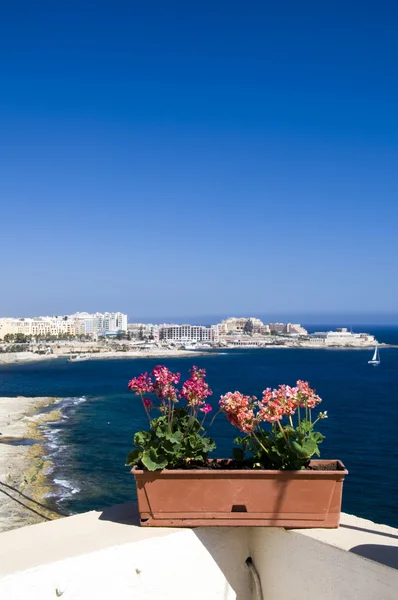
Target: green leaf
pixel 151 461
pixel 300 451
pixel 317 437
pixel 149 464
pixel 175 437
pixel 209 446
pixel 142 438
pixel 238 453
pixel 310 447
pixel 133 457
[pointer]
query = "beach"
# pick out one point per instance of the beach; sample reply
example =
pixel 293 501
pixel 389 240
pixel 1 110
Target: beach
pixel 23 465
pixel 10 358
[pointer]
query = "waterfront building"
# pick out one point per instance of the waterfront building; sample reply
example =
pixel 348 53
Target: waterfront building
pixel 143 331
pixel 296 328
pixel 37 327
pixel 278 327
pixel 246 341
pixel 71 325
pixel 254 326
pixel 341 337
pixel 240 325
pixel 100 323
pixel 290 328
pixel 188 333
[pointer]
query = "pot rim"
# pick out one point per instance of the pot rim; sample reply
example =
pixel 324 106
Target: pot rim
pixel 301 473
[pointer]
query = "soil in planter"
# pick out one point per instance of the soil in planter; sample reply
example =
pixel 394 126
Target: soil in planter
pixel 333 465
pixel 230 465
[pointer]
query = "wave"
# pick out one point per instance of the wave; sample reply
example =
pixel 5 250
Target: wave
pixel 69 487
pixel 58 452
pixel 51 436
pixel 70 401
pixel 65 489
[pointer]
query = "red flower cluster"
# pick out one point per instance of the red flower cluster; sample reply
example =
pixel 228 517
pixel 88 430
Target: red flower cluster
pixel 239 410
pixel 163 386
pixel 307 396
pixel 141 384
pixel 195 390
pixel 245 412
pixel 162 382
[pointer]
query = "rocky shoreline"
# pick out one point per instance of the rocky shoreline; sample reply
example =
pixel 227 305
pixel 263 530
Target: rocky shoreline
pixel 23 465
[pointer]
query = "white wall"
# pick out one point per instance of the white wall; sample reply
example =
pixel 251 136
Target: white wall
pixel 105 556
pixel 293 566
pixel 178 566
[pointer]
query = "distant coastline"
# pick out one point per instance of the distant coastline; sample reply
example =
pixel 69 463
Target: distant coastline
pixel 29 357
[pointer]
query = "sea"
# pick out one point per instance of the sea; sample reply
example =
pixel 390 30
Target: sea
pixel 89 444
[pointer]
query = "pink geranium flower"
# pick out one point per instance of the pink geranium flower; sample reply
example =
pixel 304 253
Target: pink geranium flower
pixel 239 410
pixel 147 402
pixel 141 384
pixel 195 390
pixel 245 413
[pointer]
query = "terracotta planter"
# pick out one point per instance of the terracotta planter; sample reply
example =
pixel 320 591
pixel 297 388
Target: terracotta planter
pixel 230 498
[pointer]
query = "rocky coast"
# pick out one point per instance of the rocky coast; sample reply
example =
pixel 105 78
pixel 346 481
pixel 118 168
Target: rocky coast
pixel 23 465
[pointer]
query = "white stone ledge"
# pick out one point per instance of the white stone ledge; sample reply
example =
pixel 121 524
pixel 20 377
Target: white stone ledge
pixel 360 536
pixel 73 536
pixel 106 555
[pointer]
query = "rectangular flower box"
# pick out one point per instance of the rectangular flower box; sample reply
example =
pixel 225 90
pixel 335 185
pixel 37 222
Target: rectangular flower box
pixel 230 498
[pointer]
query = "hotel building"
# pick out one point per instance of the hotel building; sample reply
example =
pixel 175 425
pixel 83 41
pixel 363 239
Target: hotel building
pixel 188 333
pixel 77 324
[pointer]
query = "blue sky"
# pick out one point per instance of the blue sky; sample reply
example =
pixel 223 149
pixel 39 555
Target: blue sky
pixel 197 158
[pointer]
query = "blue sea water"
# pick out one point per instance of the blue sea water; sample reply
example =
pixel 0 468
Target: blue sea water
pixel 88 446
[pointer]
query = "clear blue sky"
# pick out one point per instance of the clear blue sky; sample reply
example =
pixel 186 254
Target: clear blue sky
pixel 192 158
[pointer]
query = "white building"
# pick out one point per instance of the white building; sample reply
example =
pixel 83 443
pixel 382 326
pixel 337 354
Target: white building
pixel 296 328
pixel 38 326
pixel 342 337
pixel 77 324
pixel 144 330
pixel 99 323
pixel 188 333
pixel 291 328
pixel 239 325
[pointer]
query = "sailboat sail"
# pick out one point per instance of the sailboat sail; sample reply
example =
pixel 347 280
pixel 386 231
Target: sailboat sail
pixel 376 358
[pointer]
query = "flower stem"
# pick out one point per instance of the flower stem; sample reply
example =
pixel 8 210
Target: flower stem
pixel 282 431
pixel 212 421
pixel 172 415
pixel 169 414
pixel 258 442
pixel 146 410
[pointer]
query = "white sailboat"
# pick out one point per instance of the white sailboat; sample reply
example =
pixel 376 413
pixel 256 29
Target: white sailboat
pixel 376 358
